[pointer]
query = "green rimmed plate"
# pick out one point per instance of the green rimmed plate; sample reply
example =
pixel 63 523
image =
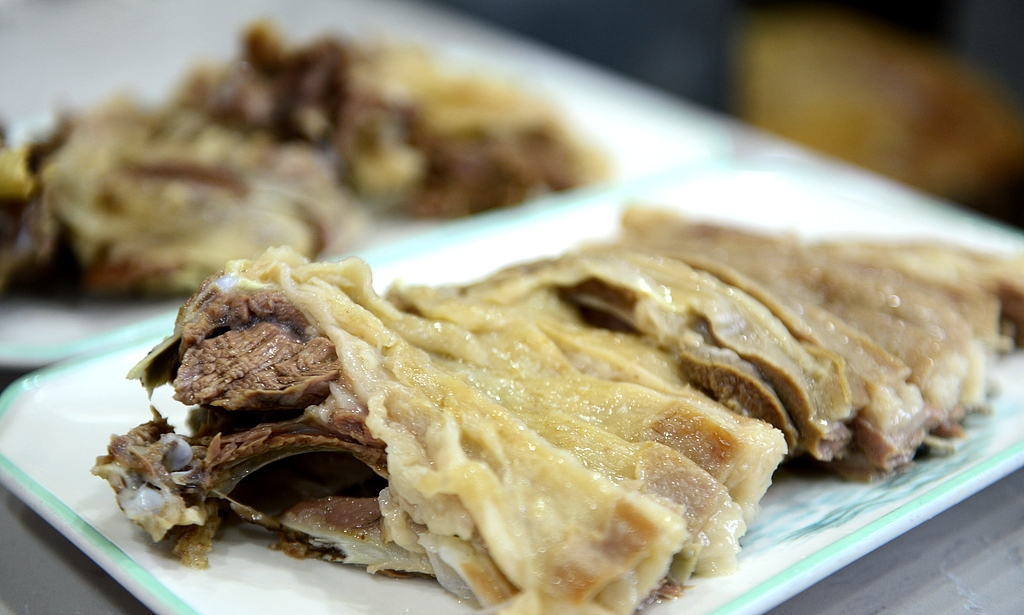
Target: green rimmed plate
pixel 53 423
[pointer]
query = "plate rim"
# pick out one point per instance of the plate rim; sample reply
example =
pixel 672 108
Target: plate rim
pixel 131 575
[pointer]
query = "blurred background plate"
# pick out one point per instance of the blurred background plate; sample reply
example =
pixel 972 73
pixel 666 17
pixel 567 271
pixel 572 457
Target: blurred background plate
pixel 70 55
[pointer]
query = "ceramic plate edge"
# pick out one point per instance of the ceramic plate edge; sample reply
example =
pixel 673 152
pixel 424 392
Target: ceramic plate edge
pixel 802 575
pixel 36 355
pixel 126 571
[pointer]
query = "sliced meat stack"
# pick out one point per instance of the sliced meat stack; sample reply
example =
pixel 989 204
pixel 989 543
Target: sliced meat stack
pixel 915 325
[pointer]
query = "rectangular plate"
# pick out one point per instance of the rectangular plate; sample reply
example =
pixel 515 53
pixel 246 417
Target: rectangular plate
pixel 146 47
pixel 55 422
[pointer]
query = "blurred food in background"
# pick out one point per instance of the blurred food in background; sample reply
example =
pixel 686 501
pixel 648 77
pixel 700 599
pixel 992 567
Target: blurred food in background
pixel 408 131
pixel 868 92
pixel 28 233
pixel 155 201
pixel 274 148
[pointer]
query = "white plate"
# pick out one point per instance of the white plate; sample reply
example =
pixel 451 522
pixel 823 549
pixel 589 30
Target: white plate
pixel 54 423
pixel 77 54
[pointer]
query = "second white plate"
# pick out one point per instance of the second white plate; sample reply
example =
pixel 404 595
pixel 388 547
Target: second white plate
pixel 77 54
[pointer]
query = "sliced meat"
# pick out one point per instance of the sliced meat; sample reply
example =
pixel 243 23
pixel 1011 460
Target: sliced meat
pixel 725 342
pixel 345 529
pixel 548 435
pixel 262 366
pixel 891 419
pixel 960 272
pixel 544 362
pixel 941 333
pixel 244 351
pixel 460 466
pixel 406 132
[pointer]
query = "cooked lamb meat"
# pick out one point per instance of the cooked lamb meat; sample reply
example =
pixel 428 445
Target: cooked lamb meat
pixel 611 422
pixel 28 232
pixel 249 351
pixel 461 431
pixel 543 358
pixel 406 132
pixel 469 424
pixel 944 333
pixel 264 151
pixel 156 201
pixel 344 529
pixel 725 342
pixel 891 419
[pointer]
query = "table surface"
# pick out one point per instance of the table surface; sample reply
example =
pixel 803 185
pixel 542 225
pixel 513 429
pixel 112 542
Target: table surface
pixel 968 559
